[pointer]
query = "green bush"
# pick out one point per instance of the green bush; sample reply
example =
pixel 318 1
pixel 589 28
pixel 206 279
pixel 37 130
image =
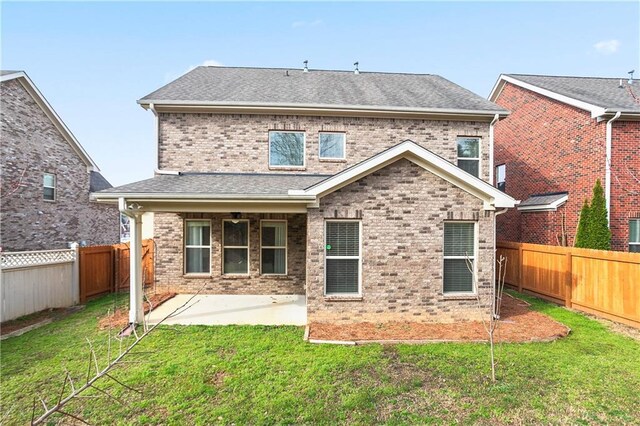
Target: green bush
pixel 593 228
pixel 582 236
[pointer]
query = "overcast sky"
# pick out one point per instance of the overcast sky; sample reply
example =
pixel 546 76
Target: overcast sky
pixel 92 61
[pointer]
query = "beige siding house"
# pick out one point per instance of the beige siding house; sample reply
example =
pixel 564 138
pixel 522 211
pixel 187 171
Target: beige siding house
pixel 366 192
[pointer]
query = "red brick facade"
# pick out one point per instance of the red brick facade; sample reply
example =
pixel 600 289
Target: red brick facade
pixel 549 146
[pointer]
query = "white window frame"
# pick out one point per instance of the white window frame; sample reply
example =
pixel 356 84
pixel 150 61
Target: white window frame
pixel 479 158
pixel 184 233
pixel 497 174
pixel 285 247
pixel 347 295
pixel 633 243
pixel 344 146
pixel 55 191
pixel 474 288
pixel 304 150
pixel 248 246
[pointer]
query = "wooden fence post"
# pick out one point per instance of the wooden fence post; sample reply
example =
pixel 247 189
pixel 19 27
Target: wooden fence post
pixel 520 266
pixel 568 284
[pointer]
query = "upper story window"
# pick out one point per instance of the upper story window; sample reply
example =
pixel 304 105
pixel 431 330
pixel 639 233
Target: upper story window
pixel 469 155
pixel 501 177
pixel 49 187
pixel 634 235
pixel 286 149
pixel 332 146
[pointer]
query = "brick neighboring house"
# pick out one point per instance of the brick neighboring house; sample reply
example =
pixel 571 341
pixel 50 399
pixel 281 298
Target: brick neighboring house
pixel 47 176
pixel 563 133
pixel 340 186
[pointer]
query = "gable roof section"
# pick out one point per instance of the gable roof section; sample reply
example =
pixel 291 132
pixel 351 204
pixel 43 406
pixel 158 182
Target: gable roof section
pixel 599 96
pixel 97 182
pixel 279 88
pixel 492 197
pixel 549 201
pixel 33 91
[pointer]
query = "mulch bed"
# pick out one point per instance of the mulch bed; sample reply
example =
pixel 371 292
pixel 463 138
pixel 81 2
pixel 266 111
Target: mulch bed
pixel 518 323
pixel 120 317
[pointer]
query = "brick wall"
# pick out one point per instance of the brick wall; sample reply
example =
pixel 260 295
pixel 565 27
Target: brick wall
pixel 169 238
pixel 240 143
pixel 547 146
pixel 625 180
pixel 31 144
pixel 403 209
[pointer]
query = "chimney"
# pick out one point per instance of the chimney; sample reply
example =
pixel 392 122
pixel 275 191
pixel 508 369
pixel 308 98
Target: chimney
pixel 356 71
pixel 305 69
pixel 631 76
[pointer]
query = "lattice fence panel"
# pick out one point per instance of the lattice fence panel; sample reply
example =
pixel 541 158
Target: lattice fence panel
pixel 35 258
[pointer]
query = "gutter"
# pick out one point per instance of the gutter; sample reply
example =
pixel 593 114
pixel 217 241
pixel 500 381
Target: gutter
pixel 491 166
pixel 607 176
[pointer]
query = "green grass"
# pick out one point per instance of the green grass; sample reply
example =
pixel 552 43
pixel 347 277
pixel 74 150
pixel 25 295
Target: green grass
pixel 268 375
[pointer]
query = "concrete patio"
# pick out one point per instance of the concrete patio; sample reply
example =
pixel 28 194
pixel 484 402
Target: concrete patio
pixel 209 309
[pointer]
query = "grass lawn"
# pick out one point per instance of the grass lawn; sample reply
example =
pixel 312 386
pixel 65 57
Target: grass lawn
pixel 266 375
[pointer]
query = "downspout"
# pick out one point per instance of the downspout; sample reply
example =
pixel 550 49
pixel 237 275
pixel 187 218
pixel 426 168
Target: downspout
pixel 491 167
pixel 607 176
pixel 157 170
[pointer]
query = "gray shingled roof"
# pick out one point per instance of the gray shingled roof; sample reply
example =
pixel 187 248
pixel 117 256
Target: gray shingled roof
pixel 219 184
pixel 97 182
pixel 329 89
pixel 5 72
pixel 542 199
pixel 601 92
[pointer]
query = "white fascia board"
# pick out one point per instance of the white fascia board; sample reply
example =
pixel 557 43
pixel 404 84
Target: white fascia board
pixel 437 165
pixel 595 110
pixel 42 102
pixel 545 207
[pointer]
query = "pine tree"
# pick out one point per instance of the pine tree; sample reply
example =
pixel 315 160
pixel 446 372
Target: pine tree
pixel 599 233
pixel 582 236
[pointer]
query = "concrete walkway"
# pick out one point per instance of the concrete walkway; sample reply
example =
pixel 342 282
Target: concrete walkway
pixel 208 309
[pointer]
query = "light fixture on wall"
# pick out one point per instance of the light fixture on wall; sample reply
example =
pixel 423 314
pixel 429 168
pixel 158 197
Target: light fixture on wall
pixel 235 217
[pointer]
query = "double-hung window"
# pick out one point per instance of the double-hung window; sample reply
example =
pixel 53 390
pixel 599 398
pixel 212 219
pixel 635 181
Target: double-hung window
pixel 634 235
pixel 286 149
pixel 501 177
pixel 459 257
pixel 273 247
pixel 469 155
pixel 49 187
pixel 343 257
pixel 332 146
pixel 235 246
pixel 197 244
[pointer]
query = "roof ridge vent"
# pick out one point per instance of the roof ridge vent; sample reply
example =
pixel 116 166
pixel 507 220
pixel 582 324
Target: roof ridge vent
pixel 306 68
pixel 356 70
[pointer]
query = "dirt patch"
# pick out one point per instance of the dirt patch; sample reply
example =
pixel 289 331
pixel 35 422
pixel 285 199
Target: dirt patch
pixel 120 317
pixel 45 316
pixel 518 324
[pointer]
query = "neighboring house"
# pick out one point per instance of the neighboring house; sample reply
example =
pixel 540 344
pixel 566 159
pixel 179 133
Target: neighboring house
pixel 46 176
pixel 562 135
pixel 340 186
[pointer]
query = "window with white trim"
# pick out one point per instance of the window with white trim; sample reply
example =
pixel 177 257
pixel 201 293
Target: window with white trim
pixel 332 146
pixel 634 235
pixel 286 149
pixel 197 247
pixel 49 187
pixel 501 177
pixel 343 257
pixel 459 255
pixel 273 247
pixel 235 246
pixel 469 155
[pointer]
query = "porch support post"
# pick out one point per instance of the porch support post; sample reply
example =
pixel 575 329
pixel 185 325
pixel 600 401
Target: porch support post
pixel 136 313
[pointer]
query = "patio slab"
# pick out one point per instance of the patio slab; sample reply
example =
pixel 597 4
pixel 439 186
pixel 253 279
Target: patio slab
pixel 210 309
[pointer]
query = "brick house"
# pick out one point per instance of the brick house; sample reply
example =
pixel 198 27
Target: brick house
pixel 563 133
pixel 47 176
pixel 340 186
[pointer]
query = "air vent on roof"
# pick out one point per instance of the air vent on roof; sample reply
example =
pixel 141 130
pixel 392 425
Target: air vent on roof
pixel 631 76
pixel 305 69
pixel 356 71
pixel 620 86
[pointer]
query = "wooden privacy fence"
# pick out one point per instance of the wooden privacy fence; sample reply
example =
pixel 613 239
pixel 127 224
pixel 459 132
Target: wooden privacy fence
pixel 603 283
pixel 105 269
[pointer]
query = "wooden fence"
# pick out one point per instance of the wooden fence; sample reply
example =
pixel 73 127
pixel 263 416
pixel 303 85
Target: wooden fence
pixel 603 283
pixel 105 269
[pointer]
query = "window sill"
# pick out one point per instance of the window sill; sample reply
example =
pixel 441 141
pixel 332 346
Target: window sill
pixel 343 298
pixel 276 276
pixel 287 168
pixel 235 276
pixel 196 276
pixel 332 160
pixel 470 296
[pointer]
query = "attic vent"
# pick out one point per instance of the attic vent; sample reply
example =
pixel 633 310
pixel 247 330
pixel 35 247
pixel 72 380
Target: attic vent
pixel 356 71
pixel 631 76
pixel 306 68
